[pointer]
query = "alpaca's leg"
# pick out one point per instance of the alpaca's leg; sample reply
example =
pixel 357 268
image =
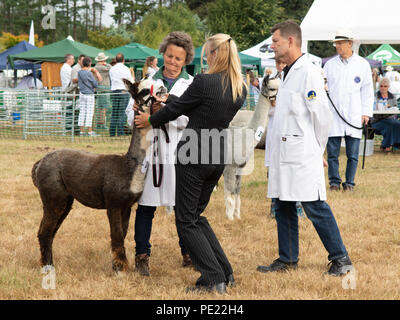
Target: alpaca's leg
pixel 45 236
pixel 126 214
pixel 119 261
pixel 51 222
pixel 229 182
pixel 237 196
pixel 67 209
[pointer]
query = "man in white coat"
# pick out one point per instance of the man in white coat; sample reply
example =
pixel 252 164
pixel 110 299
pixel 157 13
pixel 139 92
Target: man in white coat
pixel 351 90
pixel 301 126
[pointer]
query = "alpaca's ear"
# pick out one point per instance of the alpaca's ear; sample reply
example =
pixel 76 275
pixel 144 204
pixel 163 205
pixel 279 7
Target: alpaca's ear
pixel 266 80
pixel 131 87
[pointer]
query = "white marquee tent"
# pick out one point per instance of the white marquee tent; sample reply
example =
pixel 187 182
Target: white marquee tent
pixel 371 21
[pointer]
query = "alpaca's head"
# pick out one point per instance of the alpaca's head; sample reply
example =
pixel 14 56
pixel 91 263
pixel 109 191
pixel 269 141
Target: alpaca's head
pixel 270 87
pixel 143 91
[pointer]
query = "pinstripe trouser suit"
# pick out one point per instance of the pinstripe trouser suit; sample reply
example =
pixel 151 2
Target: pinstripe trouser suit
pixel 208 107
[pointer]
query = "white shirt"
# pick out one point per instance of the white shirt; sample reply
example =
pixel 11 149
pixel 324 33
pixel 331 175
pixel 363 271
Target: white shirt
pixel 165 194
pixel 393 76
pixel 151 71
pixel 351 90
pixel 28 82
pixel 117 73
pixel 65 75
pixel 74 71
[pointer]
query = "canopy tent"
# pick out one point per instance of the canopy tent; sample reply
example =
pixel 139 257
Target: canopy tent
pixel 263 52
pixel 246 60
pixel 135 55
pixel 23 46
pixel 325 17
pixel 135 51
pixel 267 55
pixel 386 55
pixel 56 51
pixel 52 57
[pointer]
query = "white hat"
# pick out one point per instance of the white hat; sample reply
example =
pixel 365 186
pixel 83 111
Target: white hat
pixel 389 68
pixel 343 34
pixel 101 57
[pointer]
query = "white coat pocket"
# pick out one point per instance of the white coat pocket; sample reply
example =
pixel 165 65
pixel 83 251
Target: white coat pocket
pixel 292 149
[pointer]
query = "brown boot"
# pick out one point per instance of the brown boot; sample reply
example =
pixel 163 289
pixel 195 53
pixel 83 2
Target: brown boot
pixel 142 264
pixel 186 261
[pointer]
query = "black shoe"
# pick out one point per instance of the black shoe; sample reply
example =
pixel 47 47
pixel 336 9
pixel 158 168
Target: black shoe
pixel 278 266
pixel 340 267
pixel 207 288
pixel 230 281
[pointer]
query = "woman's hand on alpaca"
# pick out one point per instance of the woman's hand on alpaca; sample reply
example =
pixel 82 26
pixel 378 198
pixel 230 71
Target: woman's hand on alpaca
pixel 142 119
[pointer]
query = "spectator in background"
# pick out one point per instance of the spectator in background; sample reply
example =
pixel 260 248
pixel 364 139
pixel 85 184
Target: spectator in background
pixel 388 127
pixel 394 78
pixel 28 82
pixel 120 96
pixel 65 72
pixel 103 100
pixel 352 93
pixel 86 84
pixel 75 69
pixel 254 89
pixel 375 78
pixel 150 66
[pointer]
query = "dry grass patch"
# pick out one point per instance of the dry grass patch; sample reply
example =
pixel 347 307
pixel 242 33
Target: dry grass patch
pixel 368 219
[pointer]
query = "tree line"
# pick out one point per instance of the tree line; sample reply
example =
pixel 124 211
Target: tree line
pixel 148 21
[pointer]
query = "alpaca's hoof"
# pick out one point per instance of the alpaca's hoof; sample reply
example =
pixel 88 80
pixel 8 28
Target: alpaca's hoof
pixel 119 266
pixel 121 274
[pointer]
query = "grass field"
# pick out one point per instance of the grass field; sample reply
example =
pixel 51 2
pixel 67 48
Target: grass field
pixel 369 220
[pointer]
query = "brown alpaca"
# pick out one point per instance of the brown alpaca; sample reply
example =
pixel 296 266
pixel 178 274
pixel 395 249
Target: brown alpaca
pixel 99 181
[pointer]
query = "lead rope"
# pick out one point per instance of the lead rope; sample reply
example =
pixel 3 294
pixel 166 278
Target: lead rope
pixel 364 127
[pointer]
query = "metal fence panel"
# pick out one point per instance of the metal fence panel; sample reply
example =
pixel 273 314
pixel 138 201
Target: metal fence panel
pixel 51 114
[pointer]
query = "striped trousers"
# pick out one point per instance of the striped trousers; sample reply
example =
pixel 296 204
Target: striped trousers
pixel 194 185
pixel 86 110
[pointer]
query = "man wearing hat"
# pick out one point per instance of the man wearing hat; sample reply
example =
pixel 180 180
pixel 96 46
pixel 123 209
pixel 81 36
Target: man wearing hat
pixel 103 100
pixel 351 90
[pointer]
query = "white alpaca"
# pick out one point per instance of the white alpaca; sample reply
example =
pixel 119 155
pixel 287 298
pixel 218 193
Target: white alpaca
pixel 256 126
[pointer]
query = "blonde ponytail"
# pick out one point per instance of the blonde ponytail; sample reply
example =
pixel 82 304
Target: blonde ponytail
pixel 226 61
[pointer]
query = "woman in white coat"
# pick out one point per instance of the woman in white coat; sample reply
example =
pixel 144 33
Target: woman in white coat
pixel 159 187
pixel 300 133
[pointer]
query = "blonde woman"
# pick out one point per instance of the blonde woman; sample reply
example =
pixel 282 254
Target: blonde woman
pixel 150 66
pixel 210 103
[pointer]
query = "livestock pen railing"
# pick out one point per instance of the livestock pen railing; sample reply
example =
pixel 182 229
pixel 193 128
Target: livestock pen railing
pixel 54 114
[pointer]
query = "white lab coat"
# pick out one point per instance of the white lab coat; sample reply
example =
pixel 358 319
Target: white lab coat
pixel 300 132
pixel 351 90
pixel 165 194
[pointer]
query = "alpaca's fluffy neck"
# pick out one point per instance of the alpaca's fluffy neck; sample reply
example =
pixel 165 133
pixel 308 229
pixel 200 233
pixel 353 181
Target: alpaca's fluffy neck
pixel 260 115
pixel 139 144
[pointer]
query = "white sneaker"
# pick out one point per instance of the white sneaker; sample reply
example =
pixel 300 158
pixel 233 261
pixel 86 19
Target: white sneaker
pixel 92 134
